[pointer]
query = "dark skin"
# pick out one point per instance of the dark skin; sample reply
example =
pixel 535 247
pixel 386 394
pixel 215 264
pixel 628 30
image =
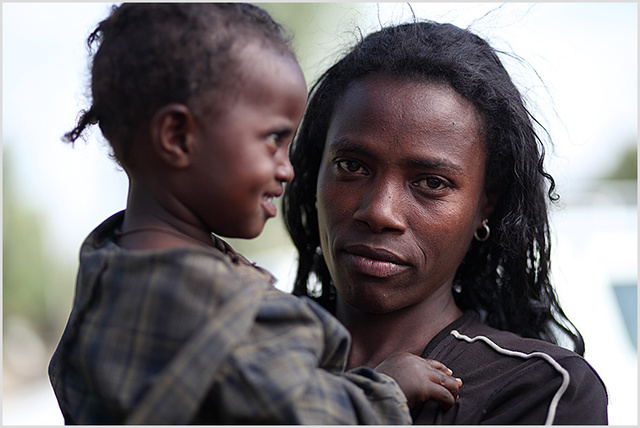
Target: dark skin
pixel 421 379
pixel 192 176
pixel 215 167
pixel 411 158
pixel 167 152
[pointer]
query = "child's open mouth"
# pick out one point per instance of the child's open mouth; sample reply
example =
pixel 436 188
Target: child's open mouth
pixel 268 205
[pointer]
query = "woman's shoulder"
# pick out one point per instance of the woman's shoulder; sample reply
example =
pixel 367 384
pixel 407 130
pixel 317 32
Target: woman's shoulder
pixel 473 331
pixel 474 342
pixel 511 379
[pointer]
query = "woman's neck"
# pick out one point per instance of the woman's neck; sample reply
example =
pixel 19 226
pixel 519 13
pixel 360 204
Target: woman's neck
pixel 379 336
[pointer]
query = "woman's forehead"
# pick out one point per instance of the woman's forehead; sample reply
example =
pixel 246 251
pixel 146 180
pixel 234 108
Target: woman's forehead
pixel 405 106
pixel 414 125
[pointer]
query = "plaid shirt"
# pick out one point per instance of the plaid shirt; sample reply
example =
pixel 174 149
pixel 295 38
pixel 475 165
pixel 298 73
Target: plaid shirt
pixel 199 335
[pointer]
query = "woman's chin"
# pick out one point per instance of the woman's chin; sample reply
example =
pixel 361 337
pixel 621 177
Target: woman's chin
pixel 373 303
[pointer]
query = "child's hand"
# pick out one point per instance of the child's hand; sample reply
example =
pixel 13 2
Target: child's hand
pixel 421 379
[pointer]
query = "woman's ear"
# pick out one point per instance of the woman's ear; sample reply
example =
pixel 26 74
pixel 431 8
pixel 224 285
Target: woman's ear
pixel 492 192
pixel 173 130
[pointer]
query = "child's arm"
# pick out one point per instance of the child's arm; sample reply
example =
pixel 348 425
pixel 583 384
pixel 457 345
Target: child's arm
pixel 290 371
pixel 281 365
pixel 422 379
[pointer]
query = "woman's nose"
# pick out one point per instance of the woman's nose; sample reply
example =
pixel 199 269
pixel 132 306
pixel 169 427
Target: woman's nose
pixel 382 209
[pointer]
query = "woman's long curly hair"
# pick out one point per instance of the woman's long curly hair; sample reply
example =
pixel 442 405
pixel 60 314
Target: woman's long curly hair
pixel 152 54
pixel 505 279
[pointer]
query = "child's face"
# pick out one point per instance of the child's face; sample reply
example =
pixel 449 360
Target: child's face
pixel 242 159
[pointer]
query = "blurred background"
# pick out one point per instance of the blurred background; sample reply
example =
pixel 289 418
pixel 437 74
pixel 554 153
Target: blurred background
pixel 577 69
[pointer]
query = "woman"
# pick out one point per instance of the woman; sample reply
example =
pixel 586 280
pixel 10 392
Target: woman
pixel 420 205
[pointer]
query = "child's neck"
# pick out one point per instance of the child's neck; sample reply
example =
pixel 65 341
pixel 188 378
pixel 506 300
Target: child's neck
pixel 149 224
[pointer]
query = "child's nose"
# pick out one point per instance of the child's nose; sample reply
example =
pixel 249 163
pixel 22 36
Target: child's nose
pixel 284 170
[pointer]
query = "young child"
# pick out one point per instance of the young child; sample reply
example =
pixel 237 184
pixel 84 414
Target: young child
pixel 169 325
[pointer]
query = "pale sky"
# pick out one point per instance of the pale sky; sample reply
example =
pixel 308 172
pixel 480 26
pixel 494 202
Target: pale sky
pixel 586 54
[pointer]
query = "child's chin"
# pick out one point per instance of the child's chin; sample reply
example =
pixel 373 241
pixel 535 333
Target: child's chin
pixel 253 232
pixel 254 235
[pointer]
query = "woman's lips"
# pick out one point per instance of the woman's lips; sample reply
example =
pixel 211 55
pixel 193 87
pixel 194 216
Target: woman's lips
pixel 374 262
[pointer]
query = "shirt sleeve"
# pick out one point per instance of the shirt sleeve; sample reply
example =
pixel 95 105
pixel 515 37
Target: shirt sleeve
pixel 194 336
pixel 528 398
pixel 585 401
pixel 289 371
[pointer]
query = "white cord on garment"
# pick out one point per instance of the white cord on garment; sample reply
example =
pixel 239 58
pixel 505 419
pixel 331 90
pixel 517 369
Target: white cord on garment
pixel 551 414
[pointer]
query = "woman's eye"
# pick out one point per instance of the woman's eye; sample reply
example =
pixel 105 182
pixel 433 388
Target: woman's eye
pixel 350 166
pixel 432 183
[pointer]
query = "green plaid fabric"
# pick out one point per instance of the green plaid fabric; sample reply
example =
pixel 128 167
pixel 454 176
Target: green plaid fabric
pixel 199 335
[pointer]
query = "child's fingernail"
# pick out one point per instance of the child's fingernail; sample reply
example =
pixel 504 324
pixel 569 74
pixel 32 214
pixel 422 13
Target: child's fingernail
pixel 449 371
pixel 459 381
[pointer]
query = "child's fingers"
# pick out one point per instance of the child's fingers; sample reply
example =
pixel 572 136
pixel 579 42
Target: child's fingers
pixel 450 383
pixel 421 379
pixel 439 366
pixel 440 393
pixel 445 398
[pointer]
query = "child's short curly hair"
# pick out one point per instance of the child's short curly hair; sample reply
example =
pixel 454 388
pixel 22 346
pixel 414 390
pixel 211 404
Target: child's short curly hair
pixel 152 54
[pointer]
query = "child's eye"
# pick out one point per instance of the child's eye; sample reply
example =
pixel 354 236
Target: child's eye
pixel 278 139
pixel 273 138
pixel 350 166
pixel 274 141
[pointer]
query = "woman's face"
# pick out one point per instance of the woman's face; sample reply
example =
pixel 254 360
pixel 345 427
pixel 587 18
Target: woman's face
pixel 400 191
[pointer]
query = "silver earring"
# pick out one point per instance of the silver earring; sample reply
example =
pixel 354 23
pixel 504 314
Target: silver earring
pixel 487 231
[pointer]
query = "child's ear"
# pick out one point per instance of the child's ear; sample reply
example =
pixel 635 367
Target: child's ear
pixel 172 134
